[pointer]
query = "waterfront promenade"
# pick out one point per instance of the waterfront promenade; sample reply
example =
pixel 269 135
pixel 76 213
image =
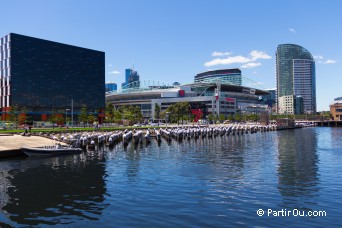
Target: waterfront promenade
pixel 10 144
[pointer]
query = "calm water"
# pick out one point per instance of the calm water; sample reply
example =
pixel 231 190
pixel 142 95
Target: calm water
pixel 216 182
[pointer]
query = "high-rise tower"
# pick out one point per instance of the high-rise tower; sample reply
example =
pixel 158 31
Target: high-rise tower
pixel 131 76
pixel 296 76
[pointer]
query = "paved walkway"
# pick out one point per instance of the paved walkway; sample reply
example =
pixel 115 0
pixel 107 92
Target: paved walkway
pixel 10 144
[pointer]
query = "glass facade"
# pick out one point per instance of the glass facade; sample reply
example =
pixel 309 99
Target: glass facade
pixel 5 71
pixel 130 77
pixel 295 69
pixel 44 76
pixel 227 76
pixel 111 86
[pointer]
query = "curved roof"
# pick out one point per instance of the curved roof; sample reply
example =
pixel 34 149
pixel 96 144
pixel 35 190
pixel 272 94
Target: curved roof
pixel 294 51
pixel 218 72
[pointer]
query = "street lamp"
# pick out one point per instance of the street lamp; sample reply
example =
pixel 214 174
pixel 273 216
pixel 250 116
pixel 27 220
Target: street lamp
pixel 66 115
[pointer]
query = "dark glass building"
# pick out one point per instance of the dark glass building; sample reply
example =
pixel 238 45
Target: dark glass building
pixel 296 75
pixel 228 76
pixel 45 76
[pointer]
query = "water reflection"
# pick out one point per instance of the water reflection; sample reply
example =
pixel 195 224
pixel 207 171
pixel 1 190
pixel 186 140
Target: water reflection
pixel 297 169
pixel 59 190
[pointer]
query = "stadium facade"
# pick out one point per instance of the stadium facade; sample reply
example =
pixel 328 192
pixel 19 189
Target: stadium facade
pixel 212 98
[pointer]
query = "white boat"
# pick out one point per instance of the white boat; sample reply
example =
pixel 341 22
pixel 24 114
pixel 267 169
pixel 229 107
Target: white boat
pixel 55 151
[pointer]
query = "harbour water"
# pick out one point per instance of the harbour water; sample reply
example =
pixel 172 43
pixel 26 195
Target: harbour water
pixel 218 182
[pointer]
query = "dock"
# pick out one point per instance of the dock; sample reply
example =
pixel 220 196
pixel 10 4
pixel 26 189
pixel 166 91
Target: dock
pixel 10 144
pixel 329 123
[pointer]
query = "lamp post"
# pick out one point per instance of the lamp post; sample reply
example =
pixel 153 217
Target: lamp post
pixel 66 116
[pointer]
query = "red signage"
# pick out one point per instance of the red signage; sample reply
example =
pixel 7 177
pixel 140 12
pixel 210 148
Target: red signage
pixel 230 99
pixel 198 113
pixel 181 93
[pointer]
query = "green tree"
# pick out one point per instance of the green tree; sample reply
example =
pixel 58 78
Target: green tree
pixel 109 112
pixel 117 116
pixel 230 118
pixel 137 114
pixel 179 111
pixel 238 116
pixel 83 116
pixel 91 118
pixel 210 117
pixel 222 117
pixel 157 111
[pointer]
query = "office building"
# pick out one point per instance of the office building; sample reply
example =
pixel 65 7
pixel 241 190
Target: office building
pixel 296 76
pixel 131 79
pixel 270 99
pixel 228 76
pixel 291 105
pixel 336 109
pixel 111 86
pixel 47 77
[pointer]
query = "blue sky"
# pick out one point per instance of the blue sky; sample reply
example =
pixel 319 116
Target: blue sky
pixel 174 40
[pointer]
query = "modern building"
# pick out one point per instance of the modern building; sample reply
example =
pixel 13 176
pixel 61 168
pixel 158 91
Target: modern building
pixel 336 109
pixel 46 77
pixel 296 75
pixel 228 100
pixel 228 76
pixel 111 86
pixel 270 99
pixel 291 104
pixel 132 79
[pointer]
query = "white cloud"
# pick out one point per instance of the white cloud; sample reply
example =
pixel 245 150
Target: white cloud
pixel 114 72
pixel 318 57
pixel 110 65
pixel 215 53
pixel 227 61
pixel 292 30
pixel 259 55
pixel 250 65
pixel 254 55
pixel 322 60
pixel 330 61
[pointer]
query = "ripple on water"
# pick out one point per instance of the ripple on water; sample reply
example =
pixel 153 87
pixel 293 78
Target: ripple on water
pixel 204 182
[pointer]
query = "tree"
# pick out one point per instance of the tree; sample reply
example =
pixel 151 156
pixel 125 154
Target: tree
pixel 117 116
pixel 109 112
pixel 55 118
pixel 91 119
pixel 14 115
pixel 157 111
pixel 222 117
pixel 210 118
pixel 230 118
pixel 137 114
pixel 179 111
pixel 83 116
